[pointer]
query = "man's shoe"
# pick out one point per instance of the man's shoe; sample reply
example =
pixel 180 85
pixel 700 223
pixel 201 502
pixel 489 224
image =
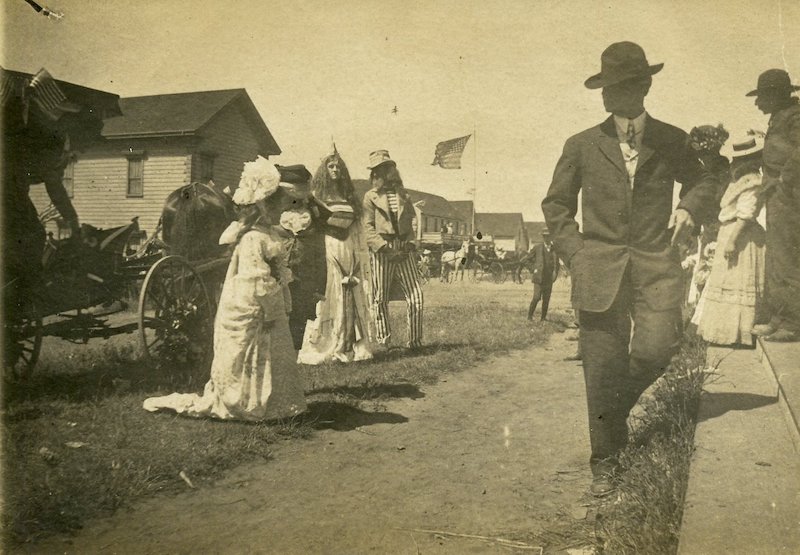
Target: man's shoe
pixel 574 357
pixel 782 336
pixel 602 486
pixel 762 330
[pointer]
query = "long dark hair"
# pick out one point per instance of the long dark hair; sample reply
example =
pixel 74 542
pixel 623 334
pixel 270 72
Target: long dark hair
pixel 381 172
pixel 326 189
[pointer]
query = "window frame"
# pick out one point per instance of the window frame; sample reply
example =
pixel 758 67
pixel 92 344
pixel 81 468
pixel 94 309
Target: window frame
pixel 133 158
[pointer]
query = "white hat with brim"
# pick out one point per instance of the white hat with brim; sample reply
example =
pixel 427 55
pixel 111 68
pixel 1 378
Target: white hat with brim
pixel 745 147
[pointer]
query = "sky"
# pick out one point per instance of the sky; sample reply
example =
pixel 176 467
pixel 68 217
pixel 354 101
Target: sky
pixel 509 72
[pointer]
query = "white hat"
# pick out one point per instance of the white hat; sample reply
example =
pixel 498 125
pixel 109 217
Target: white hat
pixel 744 146
pixel 259 180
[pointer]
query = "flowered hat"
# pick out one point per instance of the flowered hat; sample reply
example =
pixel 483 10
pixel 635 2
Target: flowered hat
pixel 259 180
pixel 707 138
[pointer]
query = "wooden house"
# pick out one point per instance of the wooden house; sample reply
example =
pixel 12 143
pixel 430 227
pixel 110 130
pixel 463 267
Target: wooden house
pixel 506 230
pixel 160 143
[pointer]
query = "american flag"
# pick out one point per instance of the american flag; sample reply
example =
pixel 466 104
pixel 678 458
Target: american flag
pixel 448 153
pixel 48 95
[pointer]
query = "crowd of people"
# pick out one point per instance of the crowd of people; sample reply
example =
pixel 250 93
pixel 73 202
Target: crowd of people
pixel 624 257
pixel 312 267
pixel 308 282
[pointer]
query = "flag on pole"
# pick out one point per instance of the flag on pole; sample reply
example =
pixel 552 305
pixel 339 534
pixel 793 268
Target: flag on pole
pixel 448 153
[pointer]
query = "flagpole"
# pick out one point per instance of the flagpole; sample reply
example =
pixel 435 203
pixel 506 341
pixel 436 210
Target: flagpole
pixel 474 175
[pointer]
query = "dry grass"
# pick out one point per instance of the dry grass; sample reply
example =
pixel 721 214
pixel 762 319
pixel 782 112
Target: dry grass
pixel 93 394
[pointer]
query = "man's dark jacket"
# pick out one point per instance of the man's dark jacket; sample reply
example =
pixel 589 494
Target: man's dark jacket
pixel 623 226
pixel 544 266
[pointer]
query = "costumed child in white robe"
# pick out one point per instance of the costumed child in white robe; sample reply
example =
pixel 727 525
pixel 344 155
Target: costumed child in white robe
pixel 254 375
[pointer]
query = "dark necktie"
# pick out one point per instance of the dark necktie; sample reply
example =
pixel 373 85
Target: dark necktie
pixel 631 135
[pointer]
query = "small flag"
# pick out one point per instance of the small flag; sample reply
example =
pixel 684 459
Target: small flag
pixel 48 96
pixel 448 153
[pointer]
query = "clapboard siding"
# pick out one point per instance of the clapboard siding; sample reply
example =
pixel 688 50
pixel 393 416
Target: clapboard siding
pixel 100 188
pixel 233 141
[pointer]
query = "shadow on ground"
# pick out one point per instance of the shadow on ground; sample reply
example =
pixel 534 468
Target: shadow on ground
pixel 717 404
pixel 373 391
pixel 342 417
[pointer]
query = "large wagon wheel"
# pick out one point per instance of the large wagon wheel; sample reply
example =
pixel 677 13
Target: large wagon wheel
pixel 23 343
pixel 497 272
pixel 175 316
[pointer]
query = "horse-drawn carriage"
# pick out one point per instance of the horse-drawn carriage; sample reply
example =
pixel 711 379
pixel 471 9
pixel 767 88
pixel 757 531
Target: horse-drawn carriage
pixel 491 264
pixel 443 259
pixel 86 282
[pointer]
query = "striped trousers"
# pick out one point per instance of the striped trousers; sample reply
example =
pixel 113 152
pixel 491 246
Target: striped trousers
pixel 384 271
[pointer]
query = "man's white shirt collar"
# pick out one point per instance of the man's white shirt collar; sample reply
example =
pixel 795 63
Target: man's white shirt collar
pixel 621 124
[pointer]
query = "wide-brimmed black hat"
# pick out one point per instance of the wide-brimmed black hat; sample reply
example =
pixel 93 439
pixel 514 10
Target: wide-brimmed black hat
pixel 619 62
pixel 771 80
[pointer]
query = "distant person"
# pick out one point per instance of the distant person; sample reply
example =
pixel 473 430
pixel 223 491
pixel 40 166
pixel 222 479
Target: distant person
pixel 545 271
pixel 622 258
pixel 343 330
pixel 301 226
pixel 388 218
pixel 782 187
pixel 706 141
pixel 254 376
pixel 733 294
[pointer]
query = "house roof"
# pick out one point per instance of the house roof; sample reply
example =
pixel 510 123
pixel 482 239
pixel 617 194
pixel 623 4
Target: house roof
pixel 434 204
pixel 464 208
pixel 498 224
pixel 104 104
pixel 534 230
pixel 182 114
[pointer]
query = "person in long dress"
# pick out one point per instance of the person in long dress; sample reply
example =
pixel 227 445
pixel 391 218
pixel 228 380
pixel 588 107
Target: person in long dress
pixel 732 298
pixel 343 330
pixel 254 375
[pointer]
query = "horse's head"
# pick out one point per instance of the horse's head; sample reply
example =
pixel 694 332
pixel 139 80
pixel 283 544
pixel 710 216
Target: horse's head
pixel 193 218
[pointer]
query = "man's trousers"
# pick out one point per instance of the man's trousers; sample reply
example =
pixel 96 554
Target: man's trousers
pixel 783 259
pixel 541 291
pixel 385 267
pixel 618 366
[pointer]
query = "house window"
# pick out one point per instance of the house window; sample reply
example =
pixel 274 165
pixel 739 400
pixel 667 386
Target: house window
pixel 68 180
pixel 135 171
pixel 205 167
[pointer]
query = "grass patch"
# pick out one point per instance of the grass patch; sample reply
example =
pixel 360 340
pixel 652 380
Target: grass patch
pixel 645 516
pixel 77 444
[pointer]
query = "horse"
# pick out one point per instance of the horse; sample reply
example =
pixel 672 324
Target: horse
pixel 453 261
pixel 193 218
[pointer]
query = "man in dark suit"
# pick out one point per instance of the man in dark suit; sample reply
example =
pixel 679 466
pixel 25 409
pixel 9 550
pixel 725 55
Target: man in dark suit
pixel 544 264
pixel 623 261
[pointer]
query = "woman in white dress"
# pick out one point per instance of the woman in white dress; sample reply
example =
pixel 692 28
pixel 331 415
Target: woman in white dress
pixel 254 375
pixel 732 298
pixel 343 330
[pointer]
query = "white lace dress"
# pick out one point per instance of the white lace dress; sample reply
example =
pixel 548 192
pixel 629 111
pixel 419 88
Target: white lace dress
pixel 733 294
pixel 254 375
pixel 343 330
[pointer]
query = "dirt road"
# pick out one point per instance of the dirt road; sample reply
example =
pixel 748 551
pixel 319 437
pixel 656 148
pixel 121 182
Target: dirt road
pixel 495 450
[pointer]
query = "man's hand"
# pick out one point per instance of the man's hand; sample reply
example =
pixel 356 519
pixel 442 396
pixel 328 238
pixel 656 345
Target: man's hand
pixel 683 223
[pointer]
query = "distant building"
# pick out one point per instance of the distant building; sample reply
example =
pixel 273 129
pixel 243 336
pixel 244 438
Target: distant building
pixel 433 215
pixel 160 143
pixel 464 209
pixel 507 230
